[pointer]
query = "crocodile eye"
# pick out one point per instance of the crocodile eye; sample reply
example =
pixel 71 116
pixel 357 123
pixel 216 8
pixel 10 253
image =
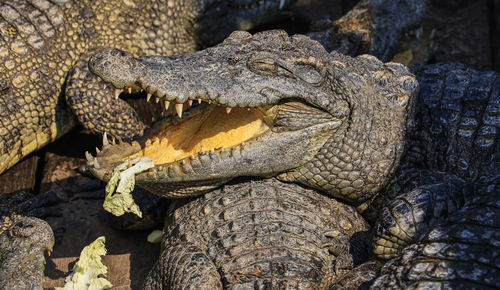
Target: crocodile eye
pixel 265 66
pixel 308 73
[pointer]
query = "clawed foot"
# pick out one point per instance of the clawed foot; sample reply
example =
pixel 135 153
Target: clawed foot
pixel 340 247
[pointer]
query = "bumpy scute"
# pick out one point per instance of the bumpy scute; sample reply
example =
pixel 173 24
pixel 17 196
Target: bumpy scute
pixel 261 234
pixel 22 243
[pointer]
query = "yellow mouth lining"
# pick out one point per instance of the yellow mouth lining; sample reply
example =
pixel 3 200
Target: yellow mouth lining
pixel 212 128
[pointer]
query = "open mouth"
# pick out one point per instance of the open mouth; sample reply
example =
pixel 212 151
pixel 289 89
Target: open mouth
pixel 186 130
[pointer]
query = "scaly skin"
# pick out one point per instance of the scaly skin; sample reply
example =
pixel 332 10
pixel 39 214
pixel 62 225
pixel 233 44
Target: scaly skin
pixel 460 253
pixel 259 235
pixel 451 137
pixel 22 243
pixel 325 134
pixel 373 26
pixel 45 44
pixel 24 237
pixel 452 158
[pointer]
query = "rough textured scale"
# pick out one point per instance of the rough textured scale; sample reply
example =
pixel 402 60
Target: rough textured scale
pixel 460 253
pixel 452 153
pixel 22 243
pixel 45 44
pixel 259 234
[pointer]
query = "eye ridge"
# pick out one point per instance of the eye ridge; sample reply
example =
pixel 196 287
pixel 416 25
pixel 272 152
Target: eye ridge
pixel 263 65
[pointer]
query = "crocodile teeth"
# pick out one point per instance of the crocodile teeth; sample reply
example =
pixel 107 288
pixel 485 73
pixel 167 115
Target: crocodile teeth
pixel 167 104
pixel 96 164
pixel 190 102
pixel 117 93
pixel 97 150
pixel 178 108
pixel 105 141
pixel 157 100
pixel 89 156
pixel 228 110
pixel 199 101
pixel 148 97
pixel 129 90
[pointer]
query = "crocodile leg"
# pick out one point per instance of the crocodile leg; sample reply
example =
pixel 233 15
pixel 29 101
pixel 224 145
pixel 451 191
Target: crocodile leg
pixel 412 213
pixel 183 266
pixel 461 253
pixel 96 105
pixel 359 277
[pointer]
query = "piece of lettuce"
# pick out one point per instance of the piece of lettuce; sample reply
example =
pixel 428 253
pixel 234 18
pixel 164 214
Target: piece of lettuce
pixel 89 267
pixel 118 199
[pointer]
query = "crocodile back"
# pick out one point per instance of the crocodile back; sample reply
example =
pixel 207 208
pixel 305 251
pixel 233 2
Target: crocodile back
pixel 457 121
pixel 266 234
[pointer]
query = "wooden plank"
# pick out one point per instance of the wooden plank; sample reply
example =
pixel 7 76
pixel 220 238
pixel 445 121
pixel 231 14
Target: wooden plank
pixel 20 177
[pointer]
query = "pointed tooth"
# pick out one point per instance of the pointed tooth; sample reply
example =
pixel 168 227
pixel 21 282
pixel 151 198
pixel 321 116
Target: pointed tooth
pixel 167 104
pixel 129 90
pixel 157 100
pixel 178 108
pixel 190 102
pixel 96 164
pixel 228 110
pixel 202 149
pixel 148 97
pixel 199 101
pixel 113 141
pixel 88 156
pixel 117 93
pixel 97 150
pixel 105 141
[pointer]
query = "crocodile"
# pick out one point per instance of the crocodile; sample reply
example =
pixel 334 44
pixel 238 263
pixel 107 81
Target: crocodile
pixel 262 234
pixel 374 27
pixel 24 238
pixel 45 45
pixel 356 129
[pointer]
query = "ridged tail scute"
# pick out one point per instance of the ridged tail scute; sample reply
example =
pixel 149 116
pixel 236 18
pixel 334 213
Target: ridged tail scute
pixel 185 266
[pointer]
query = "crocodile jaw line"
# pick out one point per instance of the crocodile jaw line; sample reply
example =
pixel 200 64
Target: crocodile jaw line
pixel 181 136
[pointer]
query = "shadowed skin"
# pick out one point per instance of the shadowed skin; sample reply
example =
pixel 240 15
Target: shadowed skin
pixel 451 135
pixel 45 46
pixel 375 27
pixel 22 243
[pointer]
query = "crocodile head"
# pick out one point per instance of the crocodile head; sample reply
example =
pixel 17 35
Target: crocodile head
pixel 269 105
pixel 23 241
